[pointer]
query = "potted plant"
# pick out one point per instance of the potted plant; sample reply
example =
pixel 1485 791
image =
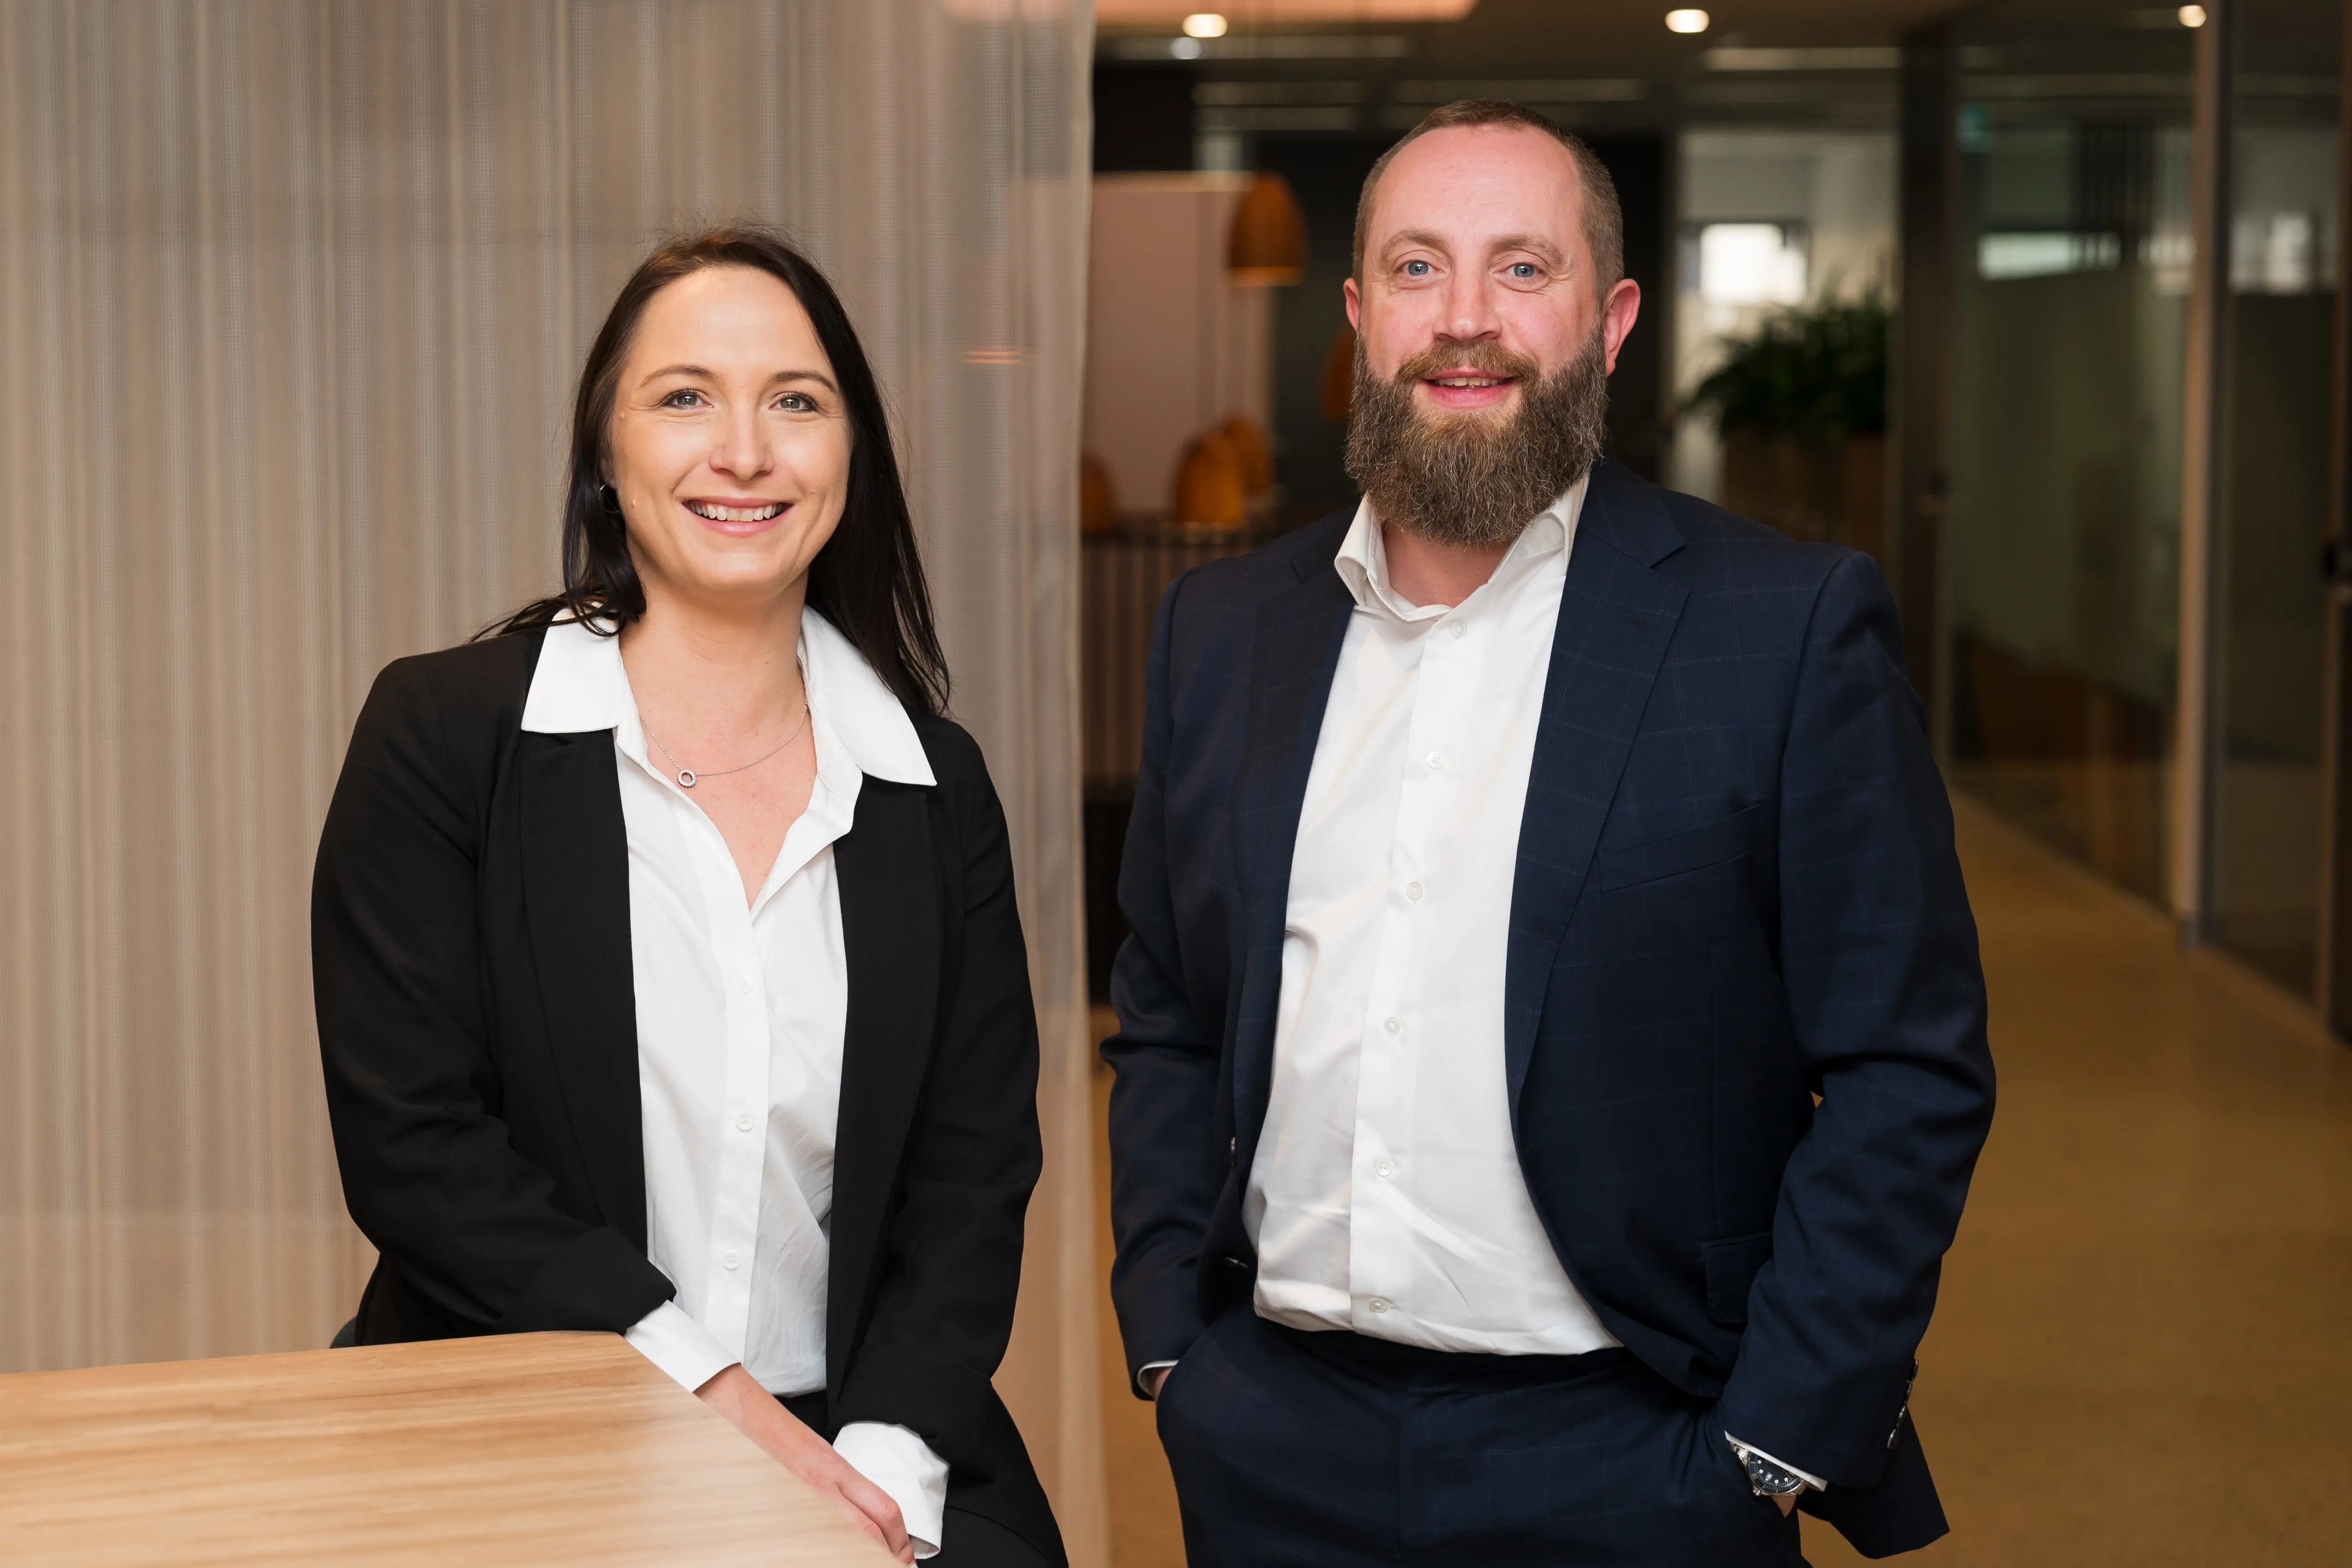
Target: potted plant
pixel 1800 404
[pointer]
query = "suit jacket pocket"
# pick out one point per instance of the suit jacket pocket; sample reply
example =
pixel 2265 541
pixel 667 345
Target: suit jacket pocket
pixel 1732 1265
pixel 1693 849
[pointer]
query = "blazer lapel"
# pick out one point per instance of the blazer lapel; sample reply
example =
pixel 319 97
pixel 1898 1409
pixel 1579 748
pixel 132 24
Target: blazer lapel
pixel 1299 633
pixel 1616 618
pixel 890 934
pixel 575 880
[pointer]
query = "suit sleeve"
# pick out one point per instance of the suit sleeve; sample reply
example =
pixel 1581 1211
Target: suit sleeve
pixel 1162 1107
pixel 1878 954
pixel 943 1309
pixel 429 1171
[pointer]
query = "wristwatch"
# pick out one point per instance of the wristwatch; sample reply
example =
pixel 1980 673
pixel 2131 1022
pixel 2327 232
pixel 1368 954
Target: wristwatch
pixel 1769 1479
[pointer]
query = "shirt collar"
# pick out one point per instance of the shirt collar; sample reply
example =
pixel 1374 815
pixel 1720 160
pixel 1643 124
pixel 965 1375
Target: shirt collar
pixel 580 684
pixel 1363 562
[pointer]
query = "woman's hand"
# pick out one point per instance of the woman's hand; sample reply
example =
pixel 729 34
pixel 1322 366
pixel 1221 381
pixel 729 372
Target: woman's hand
pixel 761 1417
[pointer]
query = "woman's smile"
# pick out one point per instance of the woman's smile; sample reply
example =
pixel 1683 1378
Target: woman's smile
pixel 737 516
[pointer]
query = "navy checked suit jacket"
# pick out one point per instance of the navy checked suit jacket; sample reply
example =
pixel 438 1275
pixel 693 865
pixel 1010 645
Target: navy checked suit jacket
pixel 1744 1020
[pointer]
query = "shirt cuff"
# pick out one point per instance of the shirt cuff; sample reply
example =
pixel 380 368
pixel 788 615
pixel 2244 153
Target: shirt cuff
pixel 673 1341
pixel 1813 1481
pixel 902 1465
pixel 1143 1376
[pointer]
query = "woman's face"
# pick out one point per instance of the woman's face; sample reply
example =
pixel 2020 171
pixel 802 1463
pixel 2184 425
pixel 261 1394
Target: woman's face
pixel 729 446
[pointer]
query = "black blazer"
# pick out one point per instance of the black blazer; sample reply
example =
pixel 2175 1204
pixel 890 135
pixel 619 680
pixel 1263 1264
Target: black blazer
pixel 478 1025
pixel 1736 890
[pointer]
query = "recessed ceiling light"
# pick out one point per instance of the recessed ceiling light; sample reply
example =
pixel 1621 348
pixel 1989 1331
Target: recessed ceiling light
pixel 1204 25
pixel 1686 21
pixel 2192 16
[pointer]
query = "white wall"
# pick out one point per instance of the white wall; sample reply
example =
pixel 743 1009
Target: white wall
pixel 1172 347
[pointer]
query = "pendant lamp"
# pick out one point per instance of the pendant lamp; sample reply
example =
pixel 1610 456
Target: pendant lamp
pixel 1267 246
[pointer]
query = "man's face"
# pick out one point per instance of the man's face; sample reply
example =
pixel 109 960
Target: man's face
pixel 1476 272
pixel 1482 351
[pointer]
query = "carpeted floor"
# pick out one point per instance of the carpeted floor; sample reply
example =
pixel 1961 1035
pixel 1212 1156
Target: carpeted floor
pixel 2143 1356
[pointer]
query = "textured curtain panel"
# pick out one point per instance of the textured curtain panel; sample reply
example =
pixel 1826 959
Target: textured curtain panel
pixel 291 296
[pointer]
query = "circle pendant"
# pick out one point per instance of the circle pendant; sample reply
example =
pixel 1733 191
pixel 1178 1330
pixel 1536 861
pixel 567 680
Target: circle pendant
pixel 686 778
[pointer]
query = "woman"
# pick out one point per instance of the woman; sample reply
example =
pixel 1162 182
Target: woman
pixel 668 977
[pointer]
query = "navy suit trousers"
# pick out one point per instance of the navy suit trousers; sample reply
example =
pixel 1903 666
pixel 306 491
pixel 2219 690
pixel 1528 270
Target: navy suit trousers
pixel 1339 1451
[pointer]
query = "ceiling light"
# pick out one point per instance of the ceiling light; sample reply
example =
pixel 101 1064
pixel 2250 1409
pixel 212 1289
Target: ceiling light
pixel 1686 21
pixel 1204 25
pixel 1267 244
pixel 2192 16
pixel 1115 14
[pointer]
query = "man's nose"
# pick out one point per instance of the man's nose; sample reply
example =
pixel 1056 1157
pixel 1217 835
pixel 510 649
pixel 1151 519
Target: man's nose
pixel 1470 311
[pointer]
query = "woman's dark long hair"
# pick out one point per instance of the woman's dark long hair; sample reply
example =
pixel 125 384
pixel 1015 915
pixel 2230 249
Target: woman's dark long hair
pixel 867 579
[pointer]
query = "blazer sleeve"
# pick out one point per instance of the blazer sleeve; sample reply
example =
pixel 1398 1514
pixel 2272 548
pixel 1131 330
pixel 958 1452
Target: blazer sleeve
pixel 1878 954
pixel 942 1310
pixel 429 1171
pixel 1164 1171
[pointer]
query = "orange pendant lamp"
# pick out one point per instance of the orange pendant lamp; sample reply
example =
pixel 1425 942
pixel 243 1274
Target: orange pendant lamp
pixel 1267 246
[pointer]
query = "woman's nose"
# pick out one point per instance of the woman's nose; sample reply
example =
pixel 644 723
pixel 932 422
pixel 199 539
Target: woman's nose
pixel 743 447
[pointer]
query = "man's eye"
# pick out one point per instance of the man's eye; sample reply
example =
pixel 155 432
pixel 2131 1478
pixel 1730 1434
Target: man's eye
pixel 1417 270
pixel 1523 270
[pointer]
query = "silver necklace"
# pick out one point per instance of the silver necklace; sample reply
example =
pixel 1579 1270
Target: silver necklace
pixel 686 776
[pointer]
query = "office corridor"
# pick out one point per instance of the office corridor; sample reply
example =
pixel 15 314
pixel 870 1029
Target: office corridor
pixel 2144 1350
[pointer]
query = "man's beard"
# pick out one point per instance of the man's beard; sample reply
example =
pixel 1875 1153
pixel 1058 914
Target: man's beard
pixel 1476 478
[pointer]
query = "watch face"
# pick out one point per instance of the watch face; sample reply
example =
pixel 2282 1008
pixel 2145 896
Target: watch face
pixel 1770 1478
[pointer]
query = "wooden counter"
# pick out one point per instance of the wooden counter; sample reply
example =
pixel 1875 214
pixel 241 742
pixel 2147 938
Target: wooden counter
pixel 527 1448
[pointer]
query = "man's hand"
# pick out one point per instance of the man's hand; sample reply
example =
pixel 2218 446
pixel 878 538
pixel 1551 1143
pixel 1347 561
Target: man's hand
pixel 1788 1504
pixel 759 1416
pixel 1155 1377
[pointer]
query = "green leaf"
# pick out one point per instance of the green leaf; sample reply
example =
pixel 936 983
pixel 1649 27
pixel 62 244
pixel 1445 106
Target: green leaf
pixel 1815 371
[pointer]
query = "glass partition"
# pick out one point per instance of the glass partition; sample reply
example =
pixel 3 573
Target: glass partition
pixel 2275 403
pixel 2069 354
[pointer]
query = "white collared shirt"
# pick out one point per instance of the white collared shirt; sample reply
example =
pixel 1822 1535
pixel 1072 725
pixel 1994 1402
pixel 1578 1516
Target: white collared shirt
pixel 740 1011
pixel 1386 1197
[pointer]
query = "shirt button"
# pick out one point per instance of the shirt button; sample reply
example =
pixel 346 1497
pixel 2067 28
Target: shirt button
pixel 743 1120
pixel 1384 1166
pixel 1378 1304
pixel 1395 1026
pixel 1456 630
pixel 732 1260
pixel 1412 891
pixel 743 984
pixel 1437 759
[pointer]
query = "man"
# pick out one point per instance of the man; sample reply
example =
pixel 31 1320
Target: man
pixel 1551 1053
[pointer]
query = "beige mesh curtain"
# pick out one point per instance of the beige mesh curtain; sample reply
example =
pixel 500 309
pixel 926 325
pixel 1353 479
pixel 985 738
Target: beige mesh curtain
pixel 291 292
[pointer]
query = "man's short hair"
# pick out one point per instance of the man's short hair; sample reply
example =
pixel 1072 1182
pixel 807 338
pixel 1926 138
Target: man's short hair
pixel 1604 220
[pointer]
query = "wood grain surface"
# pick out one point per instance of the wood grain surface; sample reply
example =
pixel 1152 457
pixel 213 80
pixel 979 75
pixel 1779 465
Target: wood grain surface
pixel 523 1449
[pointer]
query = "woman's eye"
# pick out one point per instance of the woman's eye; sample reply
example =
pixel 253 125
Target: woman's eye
pixel 797 402
pixel 684 397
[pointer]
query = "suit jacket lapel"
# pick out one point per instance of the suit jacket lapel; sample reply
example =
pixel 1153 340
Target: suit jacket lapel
pixel 1616 618
pixel 890 934
pixel 1299 632
pixel 576 880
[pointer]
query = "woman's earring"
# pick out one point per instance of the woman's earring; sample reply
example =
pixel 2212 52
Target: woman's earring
pixel 609 498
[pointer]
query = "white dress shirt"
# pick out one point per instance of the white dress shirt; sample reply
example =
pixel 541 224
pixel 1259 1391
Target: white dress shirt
pixel 740 1013
pixel 1386 1197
